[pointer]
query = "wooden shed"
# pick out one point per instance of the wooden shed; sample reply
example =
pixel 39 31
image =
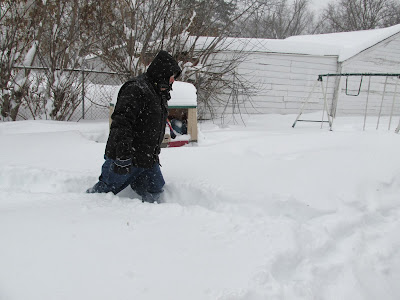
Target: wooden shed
pixel 183 109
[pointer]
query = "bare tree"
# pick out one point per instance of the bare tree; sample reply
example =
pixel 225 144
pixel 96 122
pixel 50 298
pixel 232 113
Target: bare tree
pixel 138 29
pixel 279 19
pixel 17 46
pixel 393 14
pixel 47 32
pixel 59 50
pixel 125 35
pixel 141 28
pixel 351 15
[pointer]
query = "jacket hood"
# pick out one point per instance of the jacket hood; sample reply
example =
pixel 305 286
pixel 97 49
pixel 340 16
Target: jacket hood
pixel 162 68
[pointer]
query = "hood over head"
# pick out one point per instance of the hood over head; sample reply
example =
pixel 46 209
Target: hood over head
pixel 162 68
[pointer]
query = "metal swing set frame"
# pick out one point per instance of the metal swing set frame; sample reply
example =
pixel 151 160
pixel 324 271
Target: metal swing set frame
pixel 330 117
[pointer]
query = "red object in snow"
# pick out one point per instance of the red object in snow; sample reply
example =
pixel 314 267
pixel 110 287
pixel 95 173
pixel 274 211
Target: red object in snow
pixel 177 143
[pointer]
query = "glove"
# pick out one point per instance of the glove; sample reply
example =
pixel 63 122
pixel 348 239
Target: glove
pixel 165 94
pixel 122 166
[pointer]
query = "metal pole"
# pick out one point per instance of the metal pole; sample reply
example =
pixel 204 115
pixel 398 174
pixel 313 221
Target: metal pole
pixel 83 94
pixel 305 102
pixel 326 105
pixel 366 104
pixel 398 128
pixel 323 111
pixel 394 98
pixel 383 96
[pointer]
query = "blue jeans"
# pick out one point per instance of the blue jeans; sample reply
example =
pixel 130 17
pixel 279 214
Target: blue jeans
pixel 148 183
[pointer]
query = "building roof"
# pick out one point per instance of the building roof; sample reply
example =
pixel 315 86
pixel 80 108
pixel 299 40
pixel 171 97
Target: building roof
pixel 349 43
pixel 343 44
pixel 183 94
pixel 268 46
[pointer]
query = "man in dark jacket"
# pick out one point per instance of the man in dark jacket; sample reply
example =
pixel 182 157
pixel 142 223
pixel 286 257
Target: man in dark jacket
pixel 137 131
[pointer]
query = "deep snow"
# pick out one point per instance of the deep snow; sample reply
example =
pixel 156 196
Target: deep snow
pixel 253 212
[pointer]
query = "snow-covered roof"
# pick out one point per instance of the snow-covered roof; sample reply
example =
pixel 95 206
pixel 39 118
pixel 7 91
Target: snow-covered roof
pixel 183 94
pixel 348 43
pixel 268 45
pixel 344 44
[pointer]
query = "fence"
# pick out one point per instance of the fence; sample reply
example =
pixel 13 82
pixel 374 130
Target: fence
pixel 72 94
pixel 98 90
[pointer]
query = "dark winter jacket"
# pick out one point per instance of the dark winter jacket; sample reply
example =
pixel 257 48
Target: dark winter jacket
pixel 138 122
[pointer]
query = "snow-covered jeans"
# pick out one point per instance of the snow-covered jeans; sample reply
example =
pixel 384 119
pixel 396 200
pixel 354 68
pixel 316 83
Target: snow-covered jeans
pixel 147 183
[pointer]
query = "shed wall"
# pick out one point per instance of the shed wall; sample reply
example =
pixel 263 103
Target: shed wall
pixel 280 83
pixel 381 58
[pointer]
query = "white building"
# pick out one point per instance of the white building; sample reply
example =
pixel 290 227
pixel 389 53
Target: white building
pixel 285 71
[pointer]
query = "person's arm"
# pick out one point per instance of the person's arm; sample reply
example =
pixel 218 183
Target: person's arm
pixel 125 115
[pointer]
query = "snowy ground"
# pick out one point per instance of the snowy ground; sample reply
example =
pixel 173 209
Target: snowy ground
pixel 254 212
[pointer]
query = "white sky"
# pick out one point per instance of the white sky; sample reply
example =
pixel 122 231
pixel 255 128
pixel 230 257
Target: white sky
pixel 320 4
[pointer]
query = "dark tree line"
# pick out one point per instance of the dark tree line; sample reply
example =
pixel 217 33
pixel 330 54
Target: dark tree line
pixel 351 15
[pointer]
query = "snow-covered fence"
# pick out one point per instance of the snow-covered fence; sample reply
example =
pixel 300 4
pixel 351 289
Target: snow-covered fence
pixel 63 94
